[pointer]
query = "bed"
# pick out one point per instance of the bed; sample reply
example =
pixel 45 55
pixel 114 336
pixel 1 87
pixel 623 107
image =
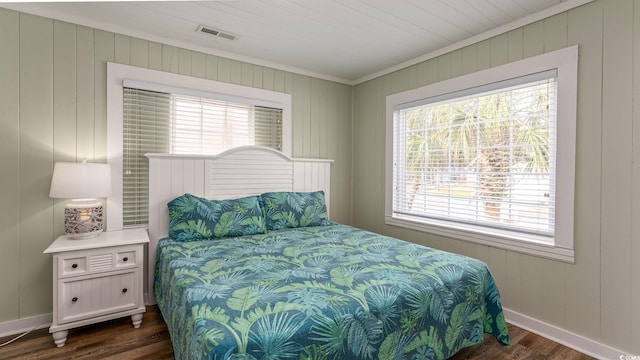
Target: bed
pixel 293 284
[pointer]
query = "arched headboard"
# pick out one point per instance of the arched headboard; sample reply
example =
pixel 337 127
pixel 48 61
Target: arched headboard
pixel 242 171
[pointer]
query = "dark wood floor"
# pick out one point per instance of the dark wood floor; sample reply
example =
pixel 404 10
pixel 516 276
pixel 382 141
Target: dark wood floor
pixel 117 339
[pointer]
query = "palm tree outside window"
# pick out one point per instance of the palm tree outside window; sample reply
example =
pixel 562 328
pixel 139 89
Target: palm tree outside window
pixel 483 158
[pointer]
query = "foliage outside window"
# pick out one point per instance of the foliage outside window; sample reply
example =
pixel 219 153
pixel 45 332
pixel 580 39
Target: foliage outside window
pixel 478 158
pixel 483 159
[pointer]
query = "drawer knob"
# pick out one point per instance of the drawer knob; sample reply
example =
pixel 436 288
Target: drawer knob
pixel 125 259
pixel 74 266
pixel 124 290
pixel 74 299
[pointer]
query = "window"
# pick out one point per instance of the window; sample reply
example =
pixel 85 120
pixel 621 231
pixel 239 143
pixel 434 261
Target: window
pixel 151 111
pixel 181 124
pixel 210 126
pixel 489 157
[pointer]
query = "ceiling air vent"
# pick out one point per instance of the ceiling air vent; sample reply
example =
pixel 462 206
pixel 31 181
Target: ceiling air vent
pixel 215 32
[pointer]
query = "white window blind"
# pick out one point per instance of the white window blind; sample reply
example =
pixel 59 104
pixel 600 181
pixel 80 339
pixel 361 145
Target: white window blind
pixel 145 130
pixel 209 126
pixel 481 157
pixel 184 124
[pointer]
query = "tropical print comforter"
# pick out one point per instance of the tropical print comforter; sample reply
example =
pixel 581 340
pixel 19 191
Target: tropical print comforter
pixel 325 292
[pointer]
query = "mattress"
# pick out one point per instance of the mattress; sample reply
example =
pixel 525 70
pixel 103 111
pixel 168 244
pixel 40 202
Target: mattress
pixel 323 292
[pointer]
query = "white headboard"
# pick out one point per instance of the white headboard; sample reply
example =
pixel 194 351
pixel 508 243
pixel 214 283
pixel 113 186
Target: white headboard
pixel 242 171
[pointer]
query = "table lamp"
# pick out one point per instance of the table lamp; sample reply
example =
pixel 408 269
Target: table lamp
pixel 83 183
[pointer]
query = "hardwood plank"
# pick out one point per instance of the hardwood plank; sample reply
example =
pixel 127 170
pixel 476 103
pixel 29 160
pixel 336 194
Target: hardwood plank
pixel 117 339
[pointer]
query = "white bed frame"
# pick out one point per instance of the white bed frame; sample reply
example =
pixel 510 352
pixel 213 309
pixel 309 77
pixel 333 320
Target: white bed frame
pixel 242 171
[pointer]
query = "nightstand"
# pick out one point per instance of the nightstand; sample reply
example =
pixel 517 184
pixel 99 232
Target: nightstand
pixel 96 280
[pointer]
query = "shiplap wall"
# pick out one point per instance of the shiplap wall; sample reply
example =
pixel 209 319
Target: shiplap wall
pixel 53 108
pixel 599 296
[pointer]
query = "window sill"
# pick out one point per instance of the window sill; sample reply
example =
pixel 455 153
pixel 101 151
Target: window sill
pixel 502 240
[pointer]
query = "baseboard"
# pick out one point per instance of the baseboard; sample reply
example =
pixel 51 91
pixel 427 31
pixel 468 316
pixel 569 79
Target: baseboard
pixel 577 342
pixel 16 327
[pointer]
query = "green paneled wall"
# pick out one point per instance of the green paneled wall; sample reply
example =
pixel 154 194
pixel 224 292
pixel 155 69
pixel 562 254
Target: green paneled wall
pixel 598 296
pixel 53 108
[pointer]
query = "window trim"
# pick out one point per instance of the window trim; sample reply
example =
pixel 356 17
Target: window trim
pixel 117 74
pixel 565 61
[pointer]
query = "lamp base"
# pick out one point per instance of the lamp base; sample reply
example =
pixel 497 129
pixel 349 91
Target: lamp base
pixel 83 219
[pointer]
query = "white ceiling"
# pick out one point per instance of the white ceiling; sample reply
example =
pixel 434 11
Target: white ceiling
pixel 342 40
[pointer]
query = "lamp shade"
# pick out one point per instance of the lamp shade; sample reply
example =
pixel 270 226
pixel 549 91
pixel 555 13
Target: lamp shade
pixel 80 180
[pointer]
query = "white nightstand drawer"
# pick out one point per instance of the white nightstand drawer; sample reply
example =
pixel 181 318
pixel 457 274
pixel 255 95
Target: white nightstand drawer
pixel 87 298
pixel 126 258
pixel 97 261
pixel 73 266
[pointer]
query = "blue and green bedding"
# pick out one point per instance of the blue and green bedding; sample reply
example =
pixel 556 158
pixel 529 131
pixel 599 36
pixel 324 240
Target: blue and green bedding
pixel 319 292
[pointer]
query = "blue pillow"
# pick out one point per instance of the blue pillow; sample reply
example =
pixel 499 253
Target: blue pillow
pixel 194 218
pixel 294 209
